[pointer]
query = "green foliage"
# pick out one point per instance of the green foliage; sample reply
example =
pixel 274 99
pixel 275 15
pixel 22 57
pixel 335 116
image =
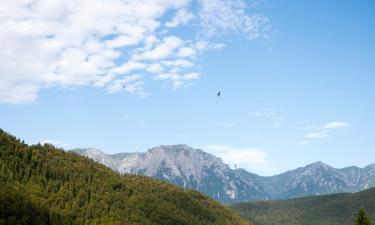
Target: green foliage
pixel 40 184
pixel 336 209
pixel 362 218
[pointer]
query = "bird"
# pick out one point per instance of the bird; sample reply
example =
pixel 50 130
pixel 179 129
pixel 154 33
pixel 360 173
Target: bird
pixel 218 94
pixel 124 86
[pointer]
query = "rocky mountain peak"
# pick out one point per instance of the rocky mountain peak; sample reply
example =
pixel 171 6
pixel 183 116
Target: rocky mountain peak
pixel 98 156
pixel 371 167
pixel 172 148
pixel 318 165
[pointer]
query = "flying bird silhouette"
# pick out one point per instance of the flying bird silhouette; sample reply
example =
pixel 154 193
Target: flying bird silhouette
pixel 218 94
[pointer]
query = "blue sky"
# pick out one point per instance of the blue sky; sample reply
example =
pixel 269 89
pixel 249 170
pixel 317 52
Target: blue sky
pixel 297 79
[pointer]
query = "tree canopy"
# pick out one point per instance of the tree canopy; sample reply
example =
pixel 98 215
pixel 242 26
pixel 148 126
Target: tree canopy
pixel 334 209
pixel 42 185
pixel 362 218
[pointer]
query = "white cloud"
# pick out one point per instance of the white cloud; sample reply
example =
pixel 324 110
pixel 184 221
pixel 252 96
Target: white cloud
pixel 52 43
pixel 182 16
pixel 127 67
pixel 132 84
pixel 20 93
pixel 205 46
pixel 337 125
pixel 155 68
pixel 191 76
pixel 177 80
pixel 186 52
pixel 252 159
pixel 320 134
pixel 181 63
pixel 323 131
pixel 229 16
pixel 163 50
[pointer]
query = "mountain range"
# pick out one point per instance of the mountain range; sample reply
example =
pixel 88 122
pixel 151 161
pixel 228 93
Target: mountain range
pixel 195 169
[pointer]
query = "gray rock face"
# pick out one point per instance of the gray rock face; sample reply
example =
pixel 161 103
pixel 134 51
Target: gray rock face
pixel 314 179
pixel 98 156
pixel 195 169
pixel 185 167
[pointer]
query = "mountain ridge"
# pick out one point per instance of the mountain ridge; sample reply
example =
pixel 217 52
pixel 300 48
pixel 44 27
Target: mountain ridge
pixel 196 169
pixel 186 167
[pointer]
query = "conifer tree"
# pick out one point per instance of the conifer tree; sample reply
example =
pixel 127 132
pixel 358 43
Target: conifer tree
pixel 362 218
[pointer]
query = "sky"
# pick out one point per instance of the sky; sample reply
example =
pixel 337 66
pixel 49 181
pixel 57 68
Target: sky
pixel 296 78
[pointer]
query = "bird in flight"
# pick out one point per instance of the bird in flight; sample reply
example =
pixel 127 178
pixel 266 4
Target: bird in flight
pixel 124 86
pixel 218 94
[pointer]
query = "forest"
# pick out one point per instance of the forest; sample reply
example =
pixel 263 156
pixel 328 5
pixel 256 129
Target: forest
pixel 334 209
pixel 43 185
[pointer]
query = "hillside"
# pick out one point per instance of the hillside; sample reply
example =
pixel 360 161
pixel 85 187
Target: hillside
pixel 44 185
pixel 335 209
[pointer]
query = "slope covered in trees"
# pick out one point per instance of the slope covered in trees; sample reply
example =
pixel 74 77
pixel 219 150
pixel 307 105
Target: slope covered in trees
pixel 44 185
pixel 336 209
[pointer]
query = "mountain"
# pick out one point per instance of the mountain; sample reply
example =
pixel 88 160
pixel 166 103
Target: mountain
pixel 316 179
pixel 334 209
pixel 42 185
pixel 195 169
pixel 183 166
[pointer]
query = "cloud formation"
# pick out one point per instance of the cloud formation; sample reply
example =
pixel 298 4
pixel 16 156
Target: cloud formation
pixel 324 131
pixel 337 125
pixel 52 43
pixel 252 159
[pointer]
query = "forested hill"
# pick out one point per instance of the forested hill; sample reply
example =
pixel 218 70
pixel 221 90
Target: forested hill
pixel 40 184
pixel 335 209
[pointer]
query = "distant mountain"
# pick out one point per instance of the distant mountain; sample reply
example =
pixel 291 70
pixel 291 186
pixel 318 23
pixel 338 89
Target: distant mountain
pixel 196 169
pixel 317 179
pixel 42 185
pixel 186 167
pixel 334 209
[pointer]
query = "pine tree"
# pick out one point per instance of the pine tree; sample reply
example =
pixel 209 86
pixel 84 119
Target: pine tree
pixel 362 218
